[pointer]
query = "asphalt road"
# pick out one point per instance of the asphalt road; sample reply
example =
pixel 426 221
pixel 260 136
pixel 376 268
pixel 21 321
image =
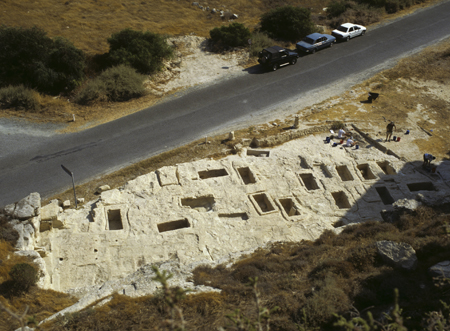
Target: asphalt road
pixel 34 162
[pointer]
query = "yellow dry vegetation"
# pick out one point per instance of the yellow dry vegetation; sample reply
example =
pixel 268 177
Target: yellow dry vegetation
pixel 89 23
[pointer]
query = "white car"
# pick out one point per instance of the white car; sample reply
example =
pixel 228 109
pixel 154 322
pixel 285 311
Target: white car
pixel 348 30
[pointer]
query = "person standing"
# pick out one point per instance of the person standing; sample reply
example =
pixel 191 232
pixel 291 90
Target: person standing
pixel 389 129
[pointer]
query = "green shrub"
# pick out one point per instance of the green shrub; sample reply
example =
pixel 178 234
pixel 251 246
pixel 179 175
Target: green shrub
pixel 18 97
pixel 29 57
pixel 329 299
pixel 260 40
pixel 358 13
pixel 119 83
pixel 233 35
pixel 24 276
pixel 336 8
pixel 287 23
pixel 144 51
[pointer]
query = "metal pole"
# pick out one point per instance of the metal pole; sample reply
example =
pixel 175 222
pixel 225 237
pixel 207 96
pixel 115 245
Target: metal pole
pixel 74 194
pixel 70 173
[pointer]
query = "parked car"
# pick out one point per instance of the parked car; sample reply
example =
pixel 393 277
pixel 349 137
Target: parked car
pixel 348 30
pixel 314 42
pixel 276 56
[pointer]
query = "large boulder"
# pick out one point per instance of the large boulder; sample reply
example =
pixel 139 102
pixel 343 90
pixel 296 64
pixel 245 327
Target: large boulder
pixel 28 207
pixel 442 269
pixel 408 204
pixel 398 255
pixel 27 234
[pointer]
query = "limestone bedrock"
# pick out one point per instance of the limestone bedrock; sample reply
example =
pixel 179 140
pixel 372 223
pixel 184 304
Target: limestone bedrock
pixel 207 209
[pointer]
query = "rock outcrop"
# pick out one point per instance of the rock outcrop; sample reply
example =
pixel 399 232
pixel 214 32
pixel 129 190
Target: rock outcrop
pixel 398 255
pixel 208 209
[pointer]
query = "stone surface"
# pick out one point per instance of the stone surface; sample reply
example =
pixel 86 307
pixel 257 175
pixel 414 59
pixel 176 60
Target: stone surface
pixel 27 234
pixel 399 255
pixel 441 269
pixel 409 204
pixel 9 209
pixel 28 207
pixel 102 188
pixel 208 209
pixel 50 212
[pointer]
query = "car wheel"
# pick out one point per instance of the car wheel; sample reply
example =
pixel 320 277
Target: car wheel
pixel 275 67
pixel 331 44
pixel 363 33
pixel 313 51
pixel 293 61
pixel 347 39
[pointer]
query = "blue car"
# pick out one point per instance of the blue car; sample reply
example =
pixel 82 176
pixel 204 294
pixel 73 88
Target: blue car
pixel 314 42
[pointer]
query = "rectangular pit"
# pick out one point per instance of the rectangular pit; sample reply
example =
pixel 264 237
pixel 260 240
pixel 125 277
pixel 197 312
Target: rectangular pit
pixel 202 204
pixel 234 216
pixel 425 186
pixel 384 194
pixel 309 181
pixel 114 219
pixel 289 206
pixel 263 202
pixel 173 225
pixel 341 200
pixel 212 173
pixel 387 168
pixel 344 173
pixel 258 153
pixel 248 177
pixel 366 172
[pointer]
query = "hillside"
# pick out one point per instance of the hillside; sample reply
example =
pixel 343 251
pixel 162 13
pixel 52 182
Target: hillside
pixel 301 283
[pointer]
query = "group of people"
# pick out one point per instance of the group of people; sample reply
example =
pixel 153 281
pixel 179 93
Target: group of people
pixel 344 135
pixel 390 128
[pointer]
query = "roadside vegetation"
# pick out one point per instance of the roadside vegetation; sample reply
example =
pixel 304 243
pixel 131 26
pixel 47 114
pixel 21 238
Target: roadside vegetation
pixel 55 51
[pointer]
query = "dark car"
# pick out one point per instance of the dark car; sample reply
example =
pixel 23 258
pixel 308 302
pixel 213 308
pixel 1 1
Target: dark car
pixel 276 56
pixel 314 42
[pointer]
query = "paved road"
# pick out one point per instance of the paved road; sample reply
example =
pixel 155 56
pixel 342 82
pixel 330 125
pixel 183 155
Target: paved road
pixel 34 163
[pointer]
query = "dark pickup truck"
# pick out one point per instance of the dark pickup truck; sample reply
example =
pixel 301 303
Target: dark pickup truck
pixel 276 56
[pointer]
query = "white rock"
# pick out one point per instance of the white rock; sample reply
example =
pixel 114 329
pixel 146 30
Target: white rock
pixel 28 207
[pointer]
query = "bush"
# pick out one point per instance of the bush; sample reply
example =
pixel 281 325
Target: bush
pixel 119 83
pixel 361 14
pixel 29 57
pixel 260 41
pixel 287 23
pixel 24 276
pixel 18 97
pixel 233 35
pixel 336 8
pixel 144 51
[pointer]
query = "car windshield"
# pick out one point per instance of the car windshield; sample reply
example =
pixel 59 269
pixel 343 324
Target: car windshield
pixel 308 40
pixel 265 53
pixel 342 29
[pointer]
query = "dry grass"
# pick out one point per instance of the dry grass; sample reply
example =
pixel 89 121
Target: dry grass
pixel 89 23
pixel 335 274
pixel 41 303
